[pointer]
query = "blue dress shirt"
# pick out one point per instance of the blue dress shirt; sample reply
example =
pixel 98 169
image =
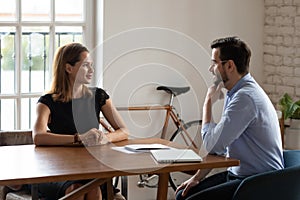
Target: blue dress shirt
pixel 248 130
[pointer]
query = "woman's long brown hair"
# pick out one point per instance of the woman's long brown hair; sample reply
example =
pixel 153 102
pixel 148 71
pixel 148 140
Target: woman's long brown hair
pixel 61 88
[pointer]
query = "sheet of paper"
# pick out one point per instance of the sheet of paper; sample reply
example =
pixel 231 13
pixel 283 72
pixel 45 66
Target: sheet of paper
pixel 124 150
pixel 145 147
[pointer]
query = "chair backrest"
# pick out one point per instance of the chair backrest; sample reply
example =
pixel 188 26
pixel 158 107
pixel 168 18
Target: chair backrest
pixel 291 158
pixel 275 185
pixel 15 137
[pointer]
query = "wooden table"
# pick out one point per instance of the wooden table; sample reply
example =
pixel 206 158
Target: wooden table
pixel 28 164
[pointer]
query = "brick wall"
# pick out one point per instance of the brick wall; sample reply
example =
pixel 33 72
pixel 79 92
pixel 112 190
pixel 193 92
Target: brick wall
pixel 282 48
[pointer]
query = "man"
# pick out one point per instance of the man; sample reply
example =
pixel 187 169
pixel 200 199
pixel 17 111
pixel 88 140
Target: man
pixel 248 129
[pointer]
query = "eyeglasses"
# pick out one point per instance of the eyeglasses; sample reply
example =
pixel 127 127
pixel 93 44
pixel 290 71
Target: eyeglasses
pixel 214 63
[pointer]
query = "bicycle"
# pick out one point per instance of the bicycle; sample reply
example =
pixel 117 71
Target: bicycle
pixel 186 133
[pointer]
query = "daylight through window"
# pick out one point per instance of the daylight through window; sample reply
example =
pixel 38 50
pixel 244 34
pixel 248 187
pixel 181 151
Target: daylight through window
pixel 30 32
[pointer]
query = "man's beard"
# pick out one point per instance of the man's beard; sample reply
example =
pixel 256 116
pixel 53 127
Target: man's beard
pixel 220 79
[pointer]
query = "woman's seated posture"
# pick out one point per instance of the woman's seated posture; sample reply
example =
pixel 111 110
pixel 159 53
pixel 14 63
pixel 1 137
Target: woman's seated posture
pixel 70 113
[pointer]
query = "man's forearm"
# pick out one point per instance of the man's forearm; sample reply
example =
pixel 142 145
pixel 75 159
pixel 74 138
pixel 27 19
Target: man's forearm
pixel 207 109
pixel 201 174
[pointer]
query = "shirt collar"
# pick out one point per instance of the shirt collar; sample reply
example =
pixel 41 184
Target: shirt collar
pixel 239 84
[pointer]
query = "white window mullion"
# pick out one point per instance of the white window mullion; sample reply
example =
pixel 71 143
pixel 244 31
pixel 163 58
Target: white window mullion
pixel 51 38
pixel 18 63
pixel 51 48
pixel 18 81
pixel 98 41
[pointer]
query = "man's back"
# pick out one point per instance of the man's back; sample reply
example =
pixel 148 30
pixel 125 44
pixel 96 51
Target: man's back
pixel 259 145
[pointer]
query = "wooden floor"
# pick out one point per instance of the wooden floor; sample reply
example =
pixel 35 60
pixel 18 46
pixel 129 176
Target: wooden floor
pixel 136 193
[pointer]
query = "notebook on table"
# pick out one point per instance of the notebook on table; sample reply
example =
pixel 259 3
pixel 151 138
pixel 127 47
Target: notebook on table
pixel 173 155
pixel 145 147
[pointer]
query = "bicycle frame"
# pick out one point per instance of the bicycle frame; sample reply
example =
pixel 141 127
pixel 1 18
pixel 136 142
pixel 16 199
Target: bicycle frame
pixel 169 113
pixel 178 122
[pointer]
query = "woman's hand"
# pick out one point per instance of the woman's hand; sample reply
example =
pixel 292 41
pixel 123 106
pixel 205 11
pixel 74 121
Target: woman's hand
pixel 93 137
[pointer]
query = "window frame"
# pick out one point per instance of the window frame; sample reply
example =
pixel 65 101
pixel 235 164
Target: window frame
pixel 91 24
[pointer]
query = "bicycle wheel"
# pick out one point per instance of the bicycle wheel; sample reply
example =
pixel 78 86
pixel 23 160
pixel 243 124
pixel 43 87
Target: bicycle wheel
pixel 194 130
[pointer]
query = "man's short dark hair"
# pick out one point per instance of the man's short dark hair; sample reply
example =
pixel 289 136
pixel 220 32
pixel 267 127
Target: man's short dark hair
pixel 232 48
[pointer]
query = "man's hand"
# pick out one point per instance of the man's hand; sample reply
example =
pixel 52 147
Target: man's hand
pixel 193 181
pixel 187 185
pixel 215 93
pixel 93 137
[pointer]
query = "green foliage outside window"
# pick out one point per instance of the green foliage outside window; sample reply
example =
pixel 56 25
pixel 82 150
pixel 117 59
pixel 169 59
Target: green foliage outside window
pixel 7 52
pixel 34 56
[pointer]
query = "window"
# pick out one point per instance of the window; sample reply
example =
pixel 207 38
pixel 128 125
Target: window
pixel 30 32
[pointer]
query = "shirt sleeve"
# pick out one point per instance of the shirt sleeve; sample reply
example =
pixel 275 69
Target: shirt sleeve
pixel 237 116
pixel 46 99
pixel 101 96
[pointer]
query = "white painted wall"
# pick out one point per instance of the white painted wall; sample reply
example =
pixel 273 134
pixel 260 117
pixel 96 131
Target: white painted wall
pixel 166 42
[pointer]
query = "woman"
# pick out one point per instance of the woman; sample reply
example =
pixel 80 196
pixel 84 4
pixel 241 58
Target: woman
pixel 70 113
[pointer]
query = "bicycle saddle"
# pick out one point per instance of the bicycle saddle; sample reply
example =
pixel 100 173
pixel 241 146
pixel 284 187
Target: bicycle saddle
pixel 174 90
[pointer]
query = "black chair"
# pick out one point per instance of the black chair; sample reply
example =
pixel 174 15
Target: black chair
pixel 275 185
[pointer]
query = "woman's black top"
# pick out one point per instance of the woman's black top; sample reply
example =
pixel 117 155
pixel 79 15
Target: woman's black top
pixel 76 116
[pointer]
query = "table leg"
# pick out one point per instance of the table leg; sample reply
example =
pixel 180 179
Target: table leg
pixel 110 194
pixel 162 190
pixel 34 192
